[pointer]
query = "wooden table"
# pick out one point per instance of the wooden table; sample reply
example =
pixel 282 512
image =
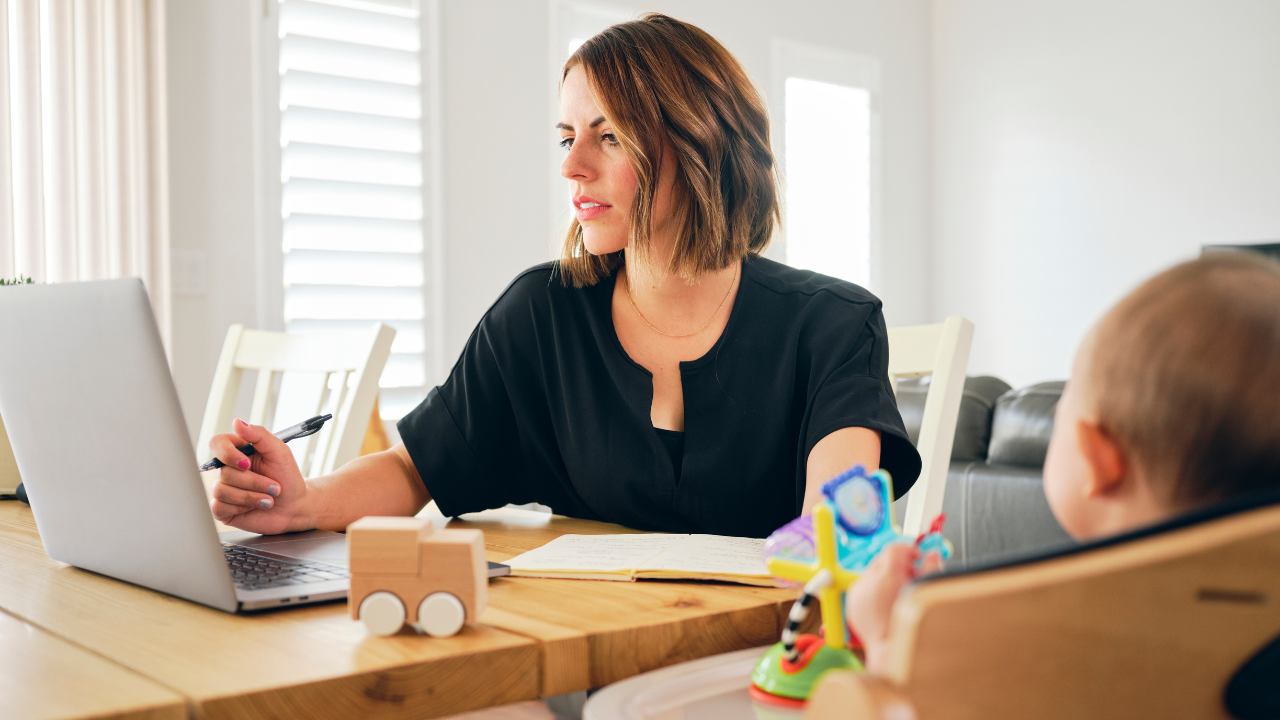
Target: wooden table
pixel 538 637
pixel 595 632
pixel 45 678
pixel 307 662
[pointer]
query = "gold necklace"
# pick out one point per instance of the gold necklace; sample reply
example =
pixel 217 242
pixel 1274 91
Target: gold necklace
pixel 704 325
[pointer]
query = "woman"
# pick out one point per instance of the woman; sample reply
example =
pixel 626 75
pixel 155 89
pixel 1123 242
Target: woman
pixel 661 374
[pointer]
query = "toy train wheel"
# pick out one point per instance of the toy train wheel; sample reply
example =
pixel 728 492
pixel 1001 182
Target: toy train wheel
pixel 441 614
pixel 382 613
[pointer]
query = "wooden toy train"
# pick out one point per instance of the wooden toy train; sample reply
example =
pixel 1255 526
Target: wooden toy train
pixel 405 571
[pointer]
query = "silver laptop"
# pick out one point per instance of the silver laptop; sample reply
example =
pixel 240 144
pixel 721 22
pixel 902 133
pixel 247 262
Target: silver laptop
pixel 102 447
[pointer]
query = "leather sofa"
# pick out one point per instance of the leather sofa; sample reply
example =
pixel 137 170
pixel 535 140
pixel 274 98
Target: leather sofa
pixel 995 501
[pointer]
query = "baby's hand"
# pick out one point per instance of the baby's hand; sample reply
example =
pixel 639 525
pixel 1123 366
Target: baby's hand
pixel 870 599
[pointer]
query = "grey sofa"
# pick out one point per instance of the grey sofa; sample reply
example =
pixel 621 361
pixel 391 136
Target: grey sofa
pixel 995 501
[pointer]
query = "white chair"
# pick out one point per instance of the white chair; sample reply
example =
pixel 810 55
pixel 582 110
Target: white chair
pixel 305 375
pixel 941 351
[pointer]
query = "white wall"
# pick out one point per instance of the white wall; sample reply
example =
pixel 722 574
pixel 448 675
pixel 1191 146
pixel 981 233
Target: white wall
pixel 213 192
pixel 1081 147
pixel 499 108
pixel 495 135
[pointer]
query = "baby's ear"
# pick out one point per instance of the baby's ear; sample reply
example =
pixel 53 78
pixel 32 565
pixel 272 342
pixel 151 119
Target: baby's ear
pixel 1108 468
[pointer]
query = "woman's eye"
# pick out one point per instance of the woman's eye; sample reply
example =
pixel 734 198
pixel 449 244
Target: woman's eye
pixel 610 138
pixel 566 143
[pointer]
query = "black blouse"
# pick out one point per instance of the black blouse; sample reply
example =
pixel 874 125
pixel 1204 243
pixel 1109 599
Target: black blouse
pixel 545 406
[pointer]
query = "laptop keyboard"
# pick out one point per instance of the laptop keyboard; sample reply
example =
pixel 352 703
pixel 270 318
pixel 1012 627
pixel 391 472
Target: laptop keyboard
pixel 252 571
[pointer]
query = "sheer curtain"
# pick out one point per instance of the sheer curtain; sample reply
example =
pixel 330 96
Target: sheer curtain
pixel 83 162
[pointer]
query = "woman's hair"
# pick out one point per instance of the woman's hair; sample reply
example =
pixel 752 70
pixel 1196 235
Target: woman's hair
pixel 657 80
pixel 1185 373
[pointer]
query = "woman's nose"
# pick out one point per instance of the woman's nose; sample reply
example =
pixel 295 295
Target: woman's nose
pixel 576 166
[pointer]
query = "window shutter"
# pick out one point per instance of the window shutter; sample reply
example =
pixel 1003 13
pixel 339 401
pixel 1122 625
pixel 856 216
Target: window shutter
pixel 351 168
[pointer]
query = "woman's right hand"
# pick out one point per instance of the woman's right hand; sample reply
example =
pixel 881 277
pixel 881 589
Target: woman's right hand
pixel 264 492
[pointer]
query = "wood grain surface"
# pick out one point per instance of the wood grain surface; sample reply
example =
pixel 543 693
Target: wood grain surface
pixel 1150 628
pixel 304 662
pixel 621 629
pixel 45 678
pixel 537 637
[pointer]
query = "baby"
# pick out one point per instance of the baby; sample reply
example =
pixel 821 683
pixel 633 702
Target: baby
pixel 1172 405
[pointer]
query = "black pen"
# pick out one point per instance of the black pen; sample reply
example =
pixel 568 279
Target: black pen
pixel 293 432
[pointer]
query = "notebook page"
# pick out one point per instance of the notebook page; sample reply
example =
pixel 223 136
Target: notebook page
pixel 713 555
pixel 597 553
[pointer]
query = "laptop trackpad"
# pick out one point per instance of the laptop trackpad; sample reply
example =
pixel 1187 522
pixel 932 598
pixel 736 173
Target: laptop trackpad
pixel 313 545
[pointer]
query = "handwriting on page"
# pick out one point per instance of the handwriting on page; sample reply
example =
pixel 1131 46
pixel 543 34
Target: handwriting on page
pixel 713 554
pixel 594 552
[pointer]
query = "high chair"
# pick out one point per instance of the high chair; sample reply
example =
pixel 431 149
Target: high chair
pixel 1177 620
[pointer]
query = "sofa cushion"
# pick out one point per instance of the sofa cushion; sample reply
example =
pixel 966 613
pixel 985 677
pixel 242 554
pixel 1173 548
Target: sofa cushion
pixel 1022 424
pixel 973 426
pixel 996 511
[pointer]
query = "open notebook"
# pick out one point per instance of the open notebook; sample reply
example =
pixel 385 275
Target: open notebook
pixel 656 556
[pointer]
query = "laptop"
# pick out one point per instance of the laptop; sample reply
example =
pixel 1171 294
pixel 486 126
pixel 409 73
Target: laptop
pixel 109 469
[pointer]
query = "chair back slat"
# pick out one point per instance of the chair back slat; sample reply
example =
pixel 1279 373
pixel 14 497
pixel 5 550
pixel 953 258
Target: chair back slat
pixel 301 396
pixel 316 353
pixel 942 352
pixel 354 410
pixel 313 447
pixel 300 376
pixel 327 446
pixel 913 351
pixel 223 392
pixel 261 402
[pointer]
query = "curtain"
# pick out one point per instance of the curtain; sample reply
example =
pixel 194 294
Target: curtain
pixel 83 159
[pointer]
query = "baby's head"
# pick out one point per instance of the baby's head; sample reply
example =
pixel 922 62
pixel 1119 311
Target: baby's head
pixel 1174 399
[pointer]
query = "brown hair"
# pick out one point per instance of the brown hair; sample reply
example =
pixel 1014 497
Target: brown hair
pixel 1185 374
pixel 658 79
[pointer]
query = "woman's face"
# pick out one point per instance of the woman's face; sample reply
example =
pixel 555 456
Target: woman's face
pixel 602 183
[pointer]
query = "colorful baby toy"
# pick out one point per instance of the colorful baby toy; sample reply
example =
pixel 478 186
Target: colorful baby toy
pixel 826 551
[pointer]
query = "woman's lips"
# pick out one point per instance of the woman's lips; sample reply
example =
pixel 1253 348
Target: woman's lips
pixel 590 210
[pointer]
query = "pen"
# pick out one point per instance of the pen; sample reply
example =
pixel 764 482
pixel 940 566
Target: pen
pixel 293 432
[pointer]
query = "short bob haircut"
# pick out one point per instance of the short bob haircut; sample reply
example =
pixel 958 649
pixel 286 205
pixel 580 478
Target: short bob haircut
pixel 658 79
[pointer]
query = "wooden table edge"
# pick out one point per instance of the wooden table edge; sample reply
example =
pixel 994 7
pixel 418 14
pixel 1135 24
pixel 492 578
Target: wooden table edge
pixel 168 705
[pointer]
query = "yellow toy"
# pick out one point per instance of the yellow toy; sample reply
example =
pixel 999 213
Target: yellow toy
pixel 830 587
pixel 826 552
pixel 404 571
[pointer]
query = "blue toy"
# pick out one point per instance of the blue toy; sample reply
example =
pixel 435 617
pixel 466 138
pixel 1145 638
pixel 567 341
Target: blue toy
pixel 827 551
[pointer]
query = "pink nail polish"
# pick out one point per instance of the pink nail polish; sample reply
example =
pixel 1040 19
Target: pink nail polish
pixel 273 490
pixel 243 464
